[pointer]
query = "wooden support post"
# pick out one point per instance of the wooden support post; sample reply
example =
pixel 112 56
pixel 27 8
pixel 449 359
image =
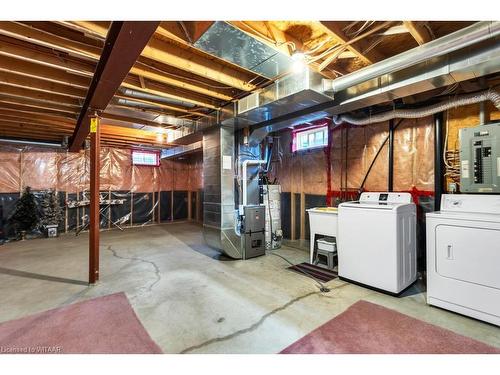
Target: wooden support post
pixel 190 217
pixel 302 216
pixel 198 206
pixel 95 148
pixel 292 213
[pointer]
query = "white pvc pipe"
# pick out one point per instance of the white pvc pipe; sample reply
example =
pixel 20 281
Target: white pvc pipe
pixel 244 177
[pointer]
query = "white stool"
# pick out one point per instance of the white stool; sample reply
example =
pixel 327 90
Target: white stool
pixel 330 258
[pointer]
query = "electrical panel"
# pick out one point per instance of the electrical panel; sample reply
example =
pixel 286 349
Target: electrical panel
pixel 480 159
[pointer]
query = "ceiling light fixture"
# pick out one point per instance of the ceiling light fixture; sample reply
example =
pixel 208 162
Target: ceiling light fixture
pixel 299 62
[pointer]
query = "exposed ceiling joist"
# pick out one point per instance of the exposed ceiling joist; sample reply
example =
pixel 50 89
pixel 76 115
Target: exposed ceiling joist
pixel 39 55
pixel 28 69
pixel 52 108
pixel 34 112
pixel 41 38
pixel 61 44
pixel 22 116
pixel 169 93
pixel 30 56
pixel 31 83
pixel 190 61
pixel 358 47
pixel 134 120
pixel 124 43
pixel 418 32
pixel 32 130
pixel 162 105
pixel 176 81
pixel 28 93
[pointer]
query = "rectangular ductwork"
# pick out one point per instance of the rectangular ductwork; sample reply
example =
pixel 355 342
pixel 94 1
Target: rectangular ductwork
pixel 181 150
pixel 291 93
pixel 233 45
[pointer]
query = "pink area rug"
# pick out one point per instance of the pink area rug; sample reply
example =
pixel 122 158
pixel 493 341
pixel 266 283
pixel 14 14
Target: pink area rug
pixel 101 325
pixel 366 328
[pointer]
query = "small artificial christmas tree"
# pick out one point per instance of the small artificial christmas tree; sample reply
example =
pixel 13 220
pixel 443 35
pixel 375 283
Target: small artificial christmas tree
pixel 25 216
pixel 50 209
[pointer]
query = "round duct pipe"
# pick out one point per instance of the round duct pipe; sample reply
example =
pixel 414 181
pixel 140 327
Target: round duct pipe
pixel 465 37
pixel 491 95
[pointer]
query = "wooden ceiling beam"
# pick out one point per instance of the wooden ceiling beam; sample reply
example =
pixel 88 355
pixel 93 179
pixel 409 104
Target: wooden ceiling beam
pixel 334 29
pixel 66 31
pixel 176 81
pixel 124 43
pixel 181 58
pixel 30 136
pixel 59 109
pixel 92 27
pixel 158 111
pixel 16 80
pixel 28 69
pixel 168 92
pixel 28 117
pixel 40 55
pixel 23 111
pixel 28 93
pixel 30 56
pixel 41 38
pixel 169 54
pixel 418 32
pixel 145 71
pixel 35 125
pixel 109 132
pixel 162 105
pixel 134 120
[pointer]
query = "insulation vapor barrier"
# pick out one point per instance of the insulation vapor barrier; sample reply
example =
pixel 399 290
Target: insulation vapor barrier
pixel 141 195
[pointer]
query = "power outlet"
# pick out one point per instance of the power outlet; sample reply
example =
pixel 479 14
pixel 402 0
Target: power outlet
pixel 452 187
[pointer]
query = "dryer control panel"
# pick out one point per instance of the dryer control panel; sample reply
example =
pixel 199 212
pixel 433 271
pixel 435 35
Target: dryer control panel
pixel 484 204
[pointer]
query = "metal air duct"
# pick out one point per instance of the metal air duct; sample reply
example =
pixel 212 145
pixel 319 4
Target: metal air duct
pixel 466 62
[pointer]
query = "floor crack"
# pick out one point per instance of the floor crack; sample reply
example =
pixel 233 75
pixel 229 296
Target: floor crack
pixel 137 259
pixel 258 323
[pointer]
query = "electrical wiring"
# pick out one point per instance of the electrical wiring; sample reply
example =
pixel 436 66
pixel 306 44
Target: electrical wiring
pixel 374 44
pixel 363 27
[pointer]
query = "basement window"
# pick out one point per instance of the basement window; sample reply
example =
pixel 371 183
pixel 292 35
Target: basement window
pixel 149 158
pixel 310 138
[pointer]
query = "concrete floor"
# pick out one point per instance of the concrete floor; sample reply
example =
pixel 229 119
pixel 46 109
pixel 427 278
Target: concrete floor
pixel 189 298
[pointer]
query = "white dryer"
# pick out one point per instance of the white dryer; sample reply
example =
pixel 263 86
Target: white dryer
pixel 463 256
pixel 376 242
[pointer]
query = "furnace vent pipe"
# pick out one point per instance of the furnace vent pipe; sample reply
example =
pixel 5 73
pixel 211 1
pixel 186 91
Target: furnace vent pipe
pixel 244 176
pixel 491 95
pixel 465 37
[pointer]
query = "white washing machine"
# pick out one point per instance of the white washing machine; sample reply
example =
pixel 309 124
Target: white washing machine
pixel 376 242
pixel 463 256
